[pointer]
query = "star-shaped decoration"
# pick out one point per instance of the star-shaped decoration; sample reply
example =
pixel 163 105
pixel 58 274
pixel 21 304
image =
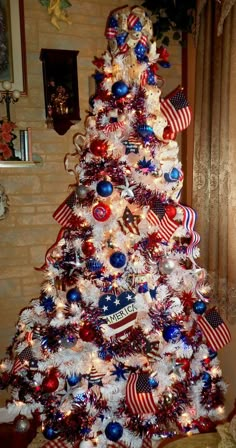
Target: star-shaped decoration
pixel 94 378
pixel 120 371
pixel 127 190
pixel 117 302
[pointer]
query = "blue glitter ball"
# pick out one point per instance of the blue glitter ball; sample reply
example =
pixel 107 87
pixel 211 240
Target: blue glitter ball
pixel 118 259
pixel 212 353
pixel 50 433
pixel 174 174
pixel 104 188
pixel 114 431
pixel 199 307
pixel 73 295
pixel 172 333
pixel 206 378
pixel 48 303
pixel 120 89
pixel 93 265
pixel 74 379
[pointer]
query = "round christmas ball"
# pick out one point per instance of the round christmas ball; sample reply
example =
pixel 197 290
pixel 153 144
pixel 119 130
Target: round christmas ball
pixel 104 188
pixel 199 307
pixel 50 383
pixel 68 341
pixel 153 383
pixel 73 379
pixel 81 192
pixel 166 265
pixel 114 431
pixel 206 378
pixel 168 134
pixel 171 333
pixel 50 433
pixel 87 333
pixel 184 363
pixel 212 353
pixel 88 248
pixel 120 89
pixel 21 424
pixel 101 212
pixel 170 211
pixel 145 130
pixel 174 174
pixel 73 295
pixel 94 265
pixel 118 259
pixel 168 398
pixel 99 147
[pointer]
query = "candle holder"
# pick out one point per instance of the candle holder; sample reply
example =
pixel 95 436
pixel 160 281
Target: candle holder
pixel 9 97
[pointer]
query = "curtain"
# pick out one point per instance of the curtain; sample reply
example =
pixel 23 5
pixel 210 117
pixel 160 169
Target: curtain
pixel 214 164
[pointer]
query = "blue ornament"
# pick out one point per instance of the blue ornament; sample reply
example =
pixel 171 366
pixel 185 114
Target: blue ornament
pixel 120 89
pixel 73 379
pixel 120 371
pixel 50 433
pixel 206 378
pixel 121 38
pixel 140 50
pixel 98 77
pixel 164 64
pixel 104 188
pixel 172 333
pixel 144 130
pixel 153 383
pixel 93 265
pixel 137 26
pixel 114 431
pixel 143 287
pixel 173 176
pixel 212 353
pixel 73 295
pixel 68 341
pixel 118 259
pixel 199 307
pixel 48 303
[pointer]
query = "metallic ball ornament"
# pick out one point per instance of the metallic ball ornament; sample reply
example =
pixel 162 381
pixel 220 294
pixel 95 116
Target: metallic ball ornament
pixel 101 212
pixel 21 424
pixel 81 191
pixel 168 398
pixel 166 265
pixel 206 378
pixel 88 248
pixel 74 379
pixel 170 211
pixel 99 147
pixel 87 333
pixel 118 260
pixel 73 295
pixel 120 89
pixel 199 307
pixel 50 383
pixel 171 333
pixel 104 188
pixel 114 431
pixel 50 433
pixel 168 134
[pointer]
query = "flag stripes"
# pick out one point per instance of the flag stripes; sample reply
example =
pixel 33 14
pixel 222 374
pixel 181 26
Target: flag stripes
pixel 215 330
pixel 138 394
pixel 64 212
pixel 176 110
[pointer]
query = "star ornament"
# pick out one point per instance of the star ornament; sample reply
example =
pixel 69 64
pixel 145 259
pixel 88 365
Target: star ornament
pixel 120 371
pixel 127 190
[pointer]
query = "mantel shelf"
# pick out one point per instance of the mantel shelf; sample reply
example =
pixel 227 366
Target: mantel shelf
pixel 21 163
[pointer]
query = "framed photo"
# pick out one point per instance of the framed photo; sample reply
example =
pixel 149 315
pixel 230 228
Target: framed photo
pixel 12 41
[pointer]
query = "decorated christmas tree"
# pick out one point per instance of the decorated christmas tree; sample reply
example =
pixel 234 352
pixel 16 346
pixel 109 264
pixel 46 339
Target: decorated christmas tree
pixel 120 348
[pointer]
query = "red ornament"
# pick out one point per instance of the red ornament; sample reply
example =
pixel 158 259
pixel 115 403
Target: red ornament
pixel 184 363
pixel 168 134
pixel 50 383
pixel 88 248
pixel 170 211
pixel 99 147
pixel 101 212
pixel 87 333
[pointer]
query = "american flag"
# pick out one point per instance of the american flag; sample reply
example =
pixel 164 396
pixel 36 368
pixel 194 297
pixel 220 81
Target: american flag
pixel 189 223
pixel 166 225
pixel 139 396
pixel 57 443
pixel 129 222
pixel 176 110
pixel 215 330
pixel 64 212
pixel 22 360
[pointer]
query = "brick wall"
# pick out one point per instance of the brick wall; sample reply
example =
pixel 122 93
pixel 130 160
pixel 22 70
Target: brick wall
pixel 35 192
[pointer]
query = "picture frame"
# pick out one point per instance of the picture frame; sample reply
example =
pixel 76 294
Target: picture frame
pixel 61 90
pixel 16 48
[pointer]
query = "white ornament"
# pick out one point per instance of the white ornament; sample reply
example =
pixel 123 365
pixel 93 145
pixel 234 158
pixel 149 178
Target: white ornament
pixel 86 444
pixel 167 265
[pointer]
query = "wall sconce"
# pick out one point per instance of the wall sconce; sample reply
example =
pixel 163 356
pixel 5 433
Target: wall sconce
pixel 8 97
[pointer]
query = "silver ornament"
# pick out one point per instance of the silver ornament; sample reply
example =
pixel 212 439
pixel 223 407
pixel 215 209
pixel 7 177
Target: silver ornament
pixel 166 265
pixel 21 424
pixel 168 398
pixel 81 191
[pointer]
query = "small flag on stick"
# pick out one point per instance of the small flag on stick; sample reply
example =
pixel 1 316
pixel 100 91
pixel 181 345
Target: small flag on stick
pixel 215 330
